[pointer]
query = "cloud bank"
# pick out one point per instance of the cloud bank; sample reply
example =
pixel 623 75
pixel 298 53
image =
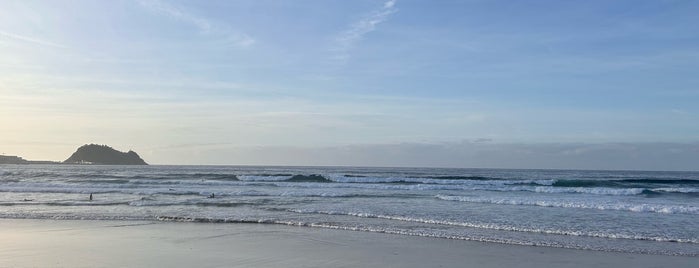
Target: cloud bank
pixel 470 154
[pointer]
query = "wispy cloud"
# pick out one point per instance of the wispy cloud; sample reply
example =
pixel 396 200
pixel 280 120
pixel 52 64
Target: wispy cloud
pixel 350 37
pixel 204 25
pixel 27 39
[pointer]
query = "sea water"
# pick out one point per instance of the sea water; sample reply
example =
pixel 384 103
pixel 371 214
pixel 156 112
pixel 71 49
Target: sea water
pixel 622 211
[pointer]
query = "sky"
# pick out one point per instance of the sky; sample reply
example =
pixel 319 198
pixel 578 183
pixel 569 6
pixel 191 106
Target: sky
pixel 473 83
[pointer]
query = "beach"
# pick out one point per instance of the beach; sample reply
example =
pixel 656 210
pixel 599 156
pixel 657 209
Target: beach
pixel 92 243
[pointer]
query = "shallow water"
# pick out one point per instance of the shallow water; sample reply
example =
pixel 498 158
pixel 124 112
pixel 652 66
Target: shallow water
pixel 626 211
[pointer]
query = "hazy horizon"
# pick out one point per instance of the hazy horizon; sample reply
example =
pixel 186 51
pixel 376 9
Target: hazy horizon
pixel 467 154
pixel 493 84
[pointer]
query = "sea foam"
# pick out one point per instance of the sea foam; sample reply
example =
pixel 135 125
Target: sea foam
pixel 655 208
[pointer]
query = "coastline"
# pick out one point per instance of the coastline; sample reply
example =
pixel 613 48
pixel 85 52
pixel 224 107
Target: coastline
pixel 93 243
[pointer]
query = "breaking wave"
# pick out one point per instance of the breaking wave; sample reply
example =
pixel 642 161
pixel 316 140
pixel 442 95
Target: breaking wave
pixel 655 208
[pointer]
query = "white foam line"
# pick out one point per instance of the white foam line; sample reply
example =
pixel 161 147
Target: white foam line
pixel 667 209
pixel 498 227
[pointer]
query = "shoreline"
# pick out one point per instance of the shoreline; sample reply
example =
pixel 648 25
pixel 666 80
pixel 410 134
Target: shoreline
pixel 105 243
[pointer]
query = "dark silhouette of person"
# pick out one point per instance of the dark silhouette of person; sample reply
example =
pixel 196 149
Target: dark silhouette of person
pixel 91 197
pixel 212 195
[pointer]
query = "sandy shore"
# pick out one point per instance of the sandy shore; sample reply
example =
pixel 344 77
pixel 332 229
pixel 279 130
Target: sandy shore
pixel 50 243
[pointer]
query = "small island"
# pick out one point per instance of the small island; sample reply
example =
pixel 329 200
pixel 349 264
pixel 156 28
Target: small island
pixel 95 154
pixel 89 154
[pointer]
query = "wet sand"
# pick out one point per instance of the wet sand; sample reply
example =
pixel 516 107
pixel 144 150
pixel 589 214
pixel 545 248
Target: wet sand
pixel 63 243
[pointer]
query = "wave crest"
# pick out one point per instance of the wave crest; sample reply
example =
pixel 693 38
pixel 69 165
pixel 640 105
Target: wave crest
pixel 667 209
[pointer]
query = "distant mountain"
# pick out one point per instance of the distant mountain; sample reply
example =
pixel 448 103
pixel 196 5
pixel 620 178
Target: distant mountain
pixel 10 159
pixel 103 155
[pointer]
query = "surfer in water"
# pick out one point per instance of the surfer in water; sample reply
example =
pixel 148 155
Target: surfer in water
pixel 212 195
pixel 90 196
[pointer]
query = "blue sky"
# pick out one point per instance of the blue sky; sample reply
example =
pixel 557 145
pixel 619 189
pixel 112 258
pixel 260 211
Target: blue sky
pixel 199 82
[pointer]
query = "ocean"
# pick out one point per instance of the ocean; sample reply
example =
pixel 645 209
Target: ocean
pixel 621 211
